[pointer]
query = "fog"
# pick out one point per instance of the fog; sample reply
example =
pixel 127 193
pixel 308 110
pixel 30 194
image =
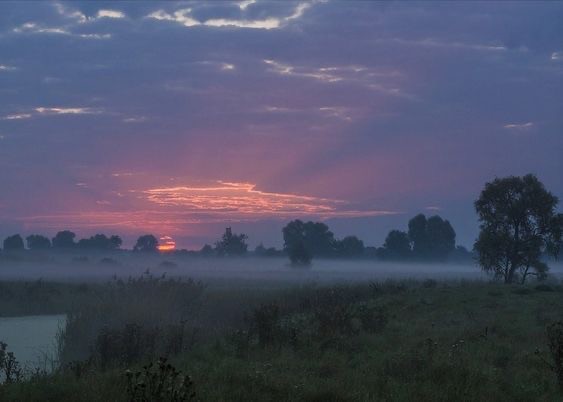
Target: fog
pixel 65 268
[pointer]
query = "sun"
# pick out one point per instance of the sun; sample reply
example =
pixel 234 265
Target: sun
pixel 166 244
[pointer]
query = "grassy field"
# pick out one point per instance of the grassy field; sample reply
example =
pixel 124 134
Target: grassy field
pixel 249 341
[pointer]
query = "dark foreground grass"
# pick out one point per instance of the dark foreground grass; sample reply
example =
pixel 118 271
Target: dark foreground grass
pixel 392 341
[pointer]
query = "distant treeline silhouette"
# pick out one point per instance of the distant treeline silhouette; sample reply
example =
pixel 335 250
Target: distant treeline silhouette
pixel 431 239
pixel 519 228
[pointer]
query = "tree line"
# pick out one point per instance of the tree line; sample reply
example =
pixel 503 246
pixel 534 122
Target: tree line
pixel 519 228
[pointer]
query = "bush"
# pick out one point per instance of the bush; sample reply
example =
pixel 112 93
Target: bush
pixel 10 369
pixel 159 381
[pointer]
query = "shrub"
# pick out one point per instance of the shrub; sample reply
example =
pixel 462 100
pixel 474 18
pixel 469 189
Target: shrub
pixel 159 381
pixel 10 369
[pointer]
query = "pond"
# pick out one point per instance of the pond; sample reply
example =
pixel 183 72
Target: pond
pixel 32 339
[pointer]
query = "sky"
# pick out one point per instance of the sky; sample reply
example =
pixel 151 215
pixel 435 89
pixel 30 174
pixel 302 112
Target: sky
pixel 182 118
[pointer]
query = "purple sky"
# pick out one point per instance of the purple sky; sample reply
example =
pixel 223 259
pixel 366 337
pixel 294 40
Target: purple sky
pixel 180 118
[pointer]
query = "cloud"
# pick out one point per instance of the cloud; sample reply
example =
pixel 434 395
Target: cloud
pixel 180 16
pixel 380 80
pixel 81 18
pixel 110 14
pixel 243 201
pixel 519 126
pixel 4 67
pixel 33 28
pixel 136 119
pixel 70 14
pixel 429 42
pixel 68 110
pixel 184 17
pixel 243 5
pixel 17 116
pixel 53 111
pixel 557 56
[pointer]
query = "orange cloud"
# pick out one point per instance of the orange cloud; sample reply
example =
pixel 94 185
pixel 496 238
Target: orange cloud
pixel 243 200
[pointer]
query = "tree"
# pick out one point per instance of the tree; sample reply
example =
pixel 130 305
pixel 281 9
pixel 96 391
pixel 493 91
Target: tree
pixel 231 244
pixel 206 251
pixel 13 243
pixel 64 239
pixel 115 242
pixel 518 224
pixel 314 236
pixel 100 242
pixel 432 239
pixel 38 242
pixel 146 243
pixel 397 246
pixel 350 247
pixel 299 255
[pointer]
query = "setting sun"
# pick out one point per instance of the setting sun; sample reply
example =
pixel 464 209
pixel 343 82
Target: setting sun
pixel 166 244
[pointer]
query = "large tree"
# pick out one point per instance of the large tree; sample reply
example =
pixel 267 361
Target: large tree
pixel 397 246
pixel 147 243
pixel 315 237
pixel 64 239
pixel 349 247
pixel 38 242
pixel 519 224
pixel 13 243
pixel 432 239
pixel 101 242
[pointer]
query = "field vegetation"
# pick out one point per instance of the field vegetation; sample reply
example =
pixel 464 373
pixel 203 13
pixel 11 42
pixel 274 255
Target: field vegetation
pixel 154 338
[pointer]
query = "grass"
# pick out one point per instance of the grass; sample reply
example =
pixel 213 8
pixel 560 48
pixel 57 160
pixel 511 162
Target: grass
pixel 390 341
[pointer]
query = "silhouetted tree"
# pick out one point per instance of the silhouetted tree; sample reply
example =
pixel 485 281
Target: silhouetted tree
pixel 146 243
pixel 206 251
pixel 231 244
pixel 397 246
pixel 100 242
pixel 314 236
pixel 13 243
pixel 115 242
pixel 518 223
pixel 432 238
pixel 38 242
pixel 64 239
pixel 350 247
pixel 299 255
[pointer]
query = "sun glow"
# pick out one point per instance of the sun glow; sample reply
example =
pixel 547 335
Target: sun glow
pixel 166 243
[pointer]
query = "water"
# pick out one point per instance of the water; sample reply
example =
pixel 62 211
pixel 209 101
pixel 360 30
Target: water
pixel 32 339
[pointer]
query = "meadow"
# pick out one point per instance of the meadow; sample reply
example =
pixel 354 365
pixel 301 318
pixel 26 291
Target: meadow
pixel 157 338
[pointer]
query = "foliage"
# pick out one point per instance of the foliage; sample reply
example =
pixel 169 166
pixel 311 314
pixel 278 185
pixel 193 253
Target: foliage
pixel 349 247
pixel 159 381
pixel 101 242
pixel 13 243
pixel 315 237
pixel 432 239
pixel 231 244
pixel 64 239
pixel 519 224
pixel 299 255
pixel 10 370
pixel 38 242
pixel 392 340
pixel 396 247
pixel 146 243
